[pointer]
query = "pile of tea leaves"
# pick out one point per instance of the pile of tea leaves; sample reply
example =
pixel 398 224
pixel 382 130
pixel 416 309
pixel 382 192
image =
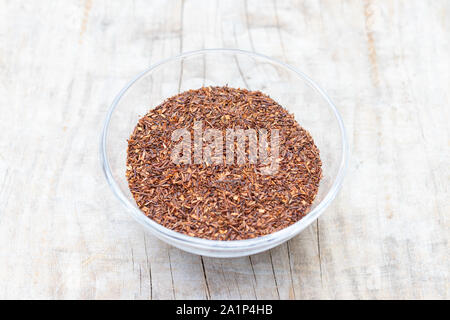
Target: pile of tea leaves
pixel 220 199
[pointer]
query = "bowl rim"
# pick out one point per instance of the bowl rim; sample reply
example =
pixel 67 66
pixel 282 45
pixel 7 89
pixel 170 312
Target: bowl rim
pixel 225 245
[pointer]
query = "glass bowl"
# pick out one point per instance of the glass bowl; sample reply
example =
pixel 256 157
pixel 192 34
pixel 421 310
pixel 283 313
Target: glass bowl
pixel 291 88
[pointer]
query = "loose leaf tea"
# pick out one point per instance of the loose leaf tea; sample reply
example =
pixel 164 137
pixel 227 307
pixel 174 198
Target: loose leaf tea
pixel 218 189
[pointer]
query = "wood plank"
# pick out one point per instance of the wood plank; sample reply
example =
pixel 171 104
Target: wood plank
pixel 385 64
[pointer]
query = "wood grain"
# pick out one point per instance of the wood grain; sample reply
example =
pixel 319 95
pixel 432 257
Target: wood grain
pixel 386 64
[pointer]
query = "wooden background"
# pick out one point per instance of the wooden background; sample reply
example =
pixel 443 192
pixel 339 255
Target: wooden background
pixel 386 65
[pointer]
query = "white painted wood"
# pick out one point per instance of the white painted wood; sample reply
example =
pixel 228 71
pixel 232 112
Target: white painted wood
pixel 386 64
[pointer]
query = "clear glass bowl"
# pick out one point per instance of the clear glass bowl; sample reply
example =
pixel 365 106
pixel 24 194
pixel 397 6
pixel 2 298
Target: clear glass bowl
pixel 291 88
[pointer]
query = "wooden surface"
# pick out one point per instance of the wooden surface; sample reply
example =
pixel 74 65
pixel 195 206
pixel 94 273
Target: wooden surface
pixel 386 65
